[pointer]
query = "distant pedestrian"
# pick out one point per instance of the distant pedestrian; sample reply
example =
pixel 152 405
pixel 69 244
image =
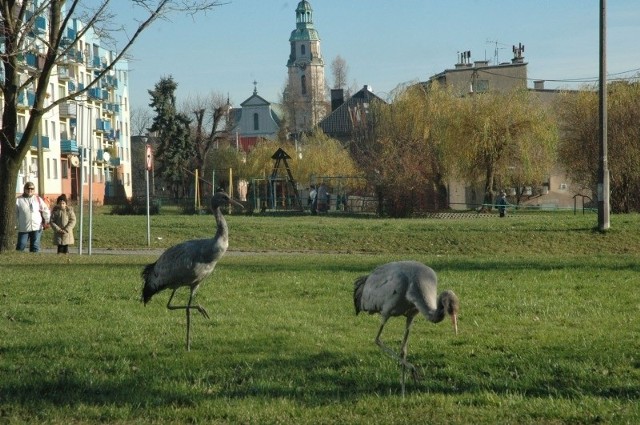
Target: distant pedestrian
pixel 313 200
pixel 32 214
pixel 321 196
pixel 63 220
pixel 502 204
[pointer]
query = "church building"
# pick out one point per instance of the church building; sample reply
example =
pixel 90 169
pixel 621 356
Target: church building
pixel 305 94
pixel 256 119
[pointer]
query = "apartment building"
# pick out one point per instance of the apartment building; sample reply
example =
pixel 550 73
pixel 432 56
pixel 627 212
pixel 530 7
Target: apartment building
pixel 83 145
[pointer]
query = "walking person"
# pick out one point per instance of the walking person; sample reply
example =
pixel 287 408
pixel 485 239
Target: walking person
pixel 502 204
pixel 32 214
pixel 63 220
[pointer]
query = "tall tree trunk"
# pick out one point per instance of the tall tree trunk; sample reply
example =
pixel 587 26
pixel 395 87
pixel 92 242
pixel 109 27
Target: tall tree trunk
pixel 488 188
pixel 9 167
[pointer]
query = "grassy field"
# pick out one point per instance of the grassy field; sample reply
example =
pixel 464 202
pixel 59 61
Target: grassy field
pixel 549 328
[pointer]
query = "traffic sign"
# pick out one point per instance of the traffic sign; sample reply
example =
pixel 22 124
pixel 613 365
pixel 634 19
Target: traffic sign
pixel 149 158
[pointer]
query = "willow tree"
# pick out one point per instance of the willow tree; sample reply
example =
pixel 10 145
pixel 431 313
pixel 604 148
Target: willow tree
pixel 21 22
pixel 408 160
pixel 579 143
pixel 500 139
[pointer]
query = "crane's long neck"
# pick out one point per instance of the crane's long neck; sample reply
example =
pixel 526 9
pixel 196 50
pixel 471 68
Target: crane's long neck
pixel 222 231
pixel 436 315
pixel 433 313
pixel 447 303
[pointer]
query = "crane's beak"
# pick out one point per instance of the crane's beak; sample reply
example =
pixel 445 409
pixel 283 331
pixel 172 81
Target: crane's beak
pixel 454 322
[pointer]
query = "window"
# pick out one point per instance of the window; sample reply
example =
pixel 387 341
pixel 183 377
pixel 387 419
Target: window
pixel 303 49
pixel 55 169
pixel 64 168
pixel 481 86
pixel 303 85
pixel 256 121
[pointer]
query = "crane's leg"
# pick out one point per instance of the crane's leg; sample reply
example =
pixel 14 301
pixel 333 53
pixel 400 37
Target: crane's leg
pixel 188 312
pixel 403 355
pixel 400 359
pixel 198 307
pixel 187 308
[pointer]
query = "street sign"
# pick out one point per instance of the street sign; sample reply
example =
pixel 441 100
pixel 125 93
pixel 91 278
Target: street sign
pixel 149 158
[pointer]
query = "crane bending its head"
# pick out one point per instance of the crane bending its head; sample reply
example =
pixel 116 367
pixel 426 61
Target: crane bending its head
pixel 404 288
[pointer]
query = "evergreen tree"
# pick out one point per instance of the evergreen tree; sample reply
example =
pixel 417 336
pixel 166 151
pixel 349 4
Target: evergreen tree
pixel 175 149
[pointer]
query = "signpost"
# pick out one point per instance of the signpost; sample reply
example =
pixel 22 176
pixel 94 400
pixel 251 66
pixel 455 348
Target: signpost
pixel 148 167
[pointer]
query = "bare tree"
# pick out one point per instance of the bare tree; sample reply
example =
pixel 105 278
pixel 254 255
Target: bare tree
pixel 210 127
pixel 141 120
pixel 339 70
pixel 21 23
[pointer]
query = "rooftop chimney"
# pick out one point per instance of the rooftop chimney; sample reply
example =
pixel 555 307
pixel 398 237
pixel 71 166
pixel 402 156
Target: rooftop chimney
pixel 464 59
pixel 337 98
pixel 518 53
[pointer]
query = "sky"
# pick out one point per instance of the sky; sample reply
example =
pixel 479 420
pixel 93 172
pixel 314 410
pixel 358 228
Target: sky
pixel 385 43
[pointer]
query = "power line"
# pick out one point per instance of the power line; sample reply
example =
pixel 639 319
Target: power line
pixel 569 80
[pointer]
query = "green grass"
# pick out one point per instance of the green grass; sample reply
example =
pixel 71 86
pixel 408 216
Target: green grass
pixel 549 330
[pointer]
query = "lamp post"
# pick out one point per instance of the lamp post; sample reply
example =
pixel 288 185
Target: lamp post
pixel 603 169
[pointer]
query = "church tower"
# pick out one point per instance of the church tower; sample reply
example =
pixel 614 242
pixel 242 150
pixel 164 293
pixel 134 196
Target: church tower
pixel 304 96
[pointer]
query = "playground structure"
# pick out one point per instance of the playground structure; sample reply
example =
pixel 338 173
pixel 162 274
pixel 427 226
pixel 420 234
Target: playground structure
pixel 278 192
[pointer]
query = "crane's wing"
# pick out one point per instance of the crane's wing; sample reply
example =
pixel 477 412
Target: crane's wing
pixel 184 264
pixel 396 289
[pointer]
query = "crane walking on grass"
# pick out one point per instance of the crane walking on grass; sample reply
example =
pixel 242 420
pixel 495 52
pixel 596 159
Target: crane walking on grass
pixel 188 264
pixel 404 288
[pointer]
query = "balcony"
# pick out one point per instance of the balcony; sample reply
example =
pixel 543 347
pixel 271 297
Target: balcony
pixel 40 24
pixel 115 162
pixel 111 108
pixel 73 56
pixel 65 74
pixel 94 62
pixel 37 25
pixel 31 59
pixel 95 93
pixel 109 81
pixel 68 109
pixel 34 141
pixel 69 146
pixel 103 125
pixel 26 99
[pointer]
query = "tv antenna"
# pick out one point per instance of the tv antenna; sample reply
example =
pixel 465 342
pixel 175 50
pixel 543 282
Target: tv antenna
pixel 496 50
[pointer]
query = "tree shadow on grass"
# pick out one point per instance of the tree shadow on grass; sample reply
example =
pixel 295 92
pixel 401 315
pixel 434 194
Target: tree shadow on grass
pixel 310 379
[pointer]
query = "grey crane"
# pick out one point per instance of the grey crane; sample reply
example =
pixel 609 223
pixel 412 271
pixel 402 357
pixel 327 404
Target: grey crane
pixel 188 264
pixel 404 288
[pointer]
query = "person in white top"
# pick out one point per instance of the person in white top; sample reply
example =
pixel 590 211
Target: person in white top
pixel 32 213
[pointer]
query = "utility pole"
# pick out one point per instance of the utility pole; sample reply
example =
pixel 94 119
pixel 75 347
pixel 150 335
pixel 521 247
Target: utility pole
pixel 603 171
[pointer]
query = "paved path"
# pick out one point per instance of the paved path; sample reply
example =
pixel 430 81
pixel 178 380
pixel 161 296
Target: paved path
pixel 157 251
